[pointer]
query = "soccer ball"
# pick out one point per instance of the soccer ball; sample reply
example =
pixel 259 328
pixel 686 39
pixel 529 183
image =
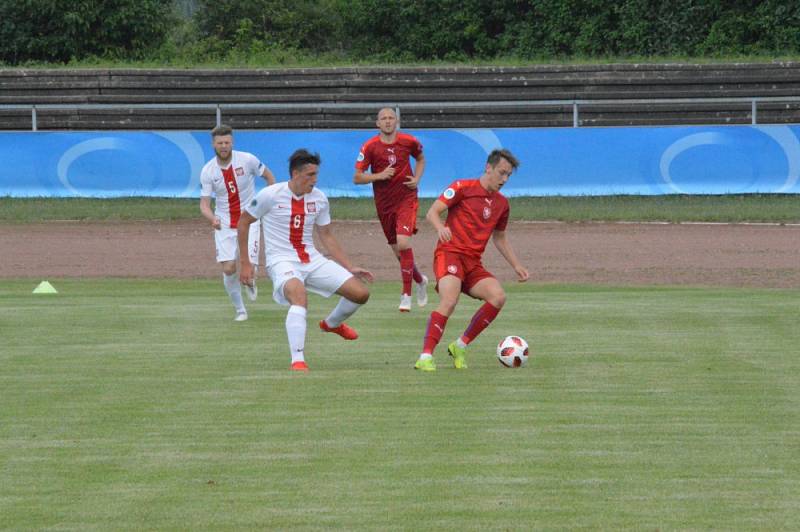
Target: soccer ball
pixel 512 352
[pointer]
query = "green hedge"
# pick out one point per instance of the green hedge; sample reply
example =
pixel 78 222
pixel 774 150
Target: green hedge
pixel 403 30
pixel 395 30
pixel 62 30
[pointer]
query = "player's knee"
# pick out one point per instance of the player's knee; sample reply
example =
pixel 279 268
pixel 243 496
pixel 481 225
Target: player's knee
pixel 360 294
pixel 447 306
pixel 295 292
pixel 355 291
pixel 497 298
pixel 229 267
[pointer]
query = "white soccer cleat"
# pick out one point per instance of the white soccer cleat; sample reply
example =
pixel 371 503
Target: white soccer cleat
pixel 405 303
pixel 241 316
pixel 422 292
pixel 252 290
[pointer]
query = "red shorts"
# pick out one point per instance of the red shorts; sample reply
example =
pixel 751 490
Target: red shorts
pixel 469 269
pixel 402 220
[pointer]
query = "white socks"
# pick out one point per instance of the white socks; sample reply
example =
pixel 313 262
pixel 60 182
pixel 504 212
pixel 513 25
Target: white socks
pixel 234 290
pixel 343 310
pixel 296 332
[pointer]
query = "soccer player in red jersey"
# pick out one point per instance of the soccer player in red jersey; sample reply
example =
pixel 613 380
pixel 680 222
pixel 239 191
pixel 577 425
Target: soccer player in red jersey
pixel 394 185
pixel 476 211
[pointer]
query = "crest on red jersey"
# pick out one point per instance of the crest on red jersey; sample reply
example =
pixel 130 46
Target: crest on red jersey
pixel 487 213
pixel 392 159
pixel 311 207
pixel 240 171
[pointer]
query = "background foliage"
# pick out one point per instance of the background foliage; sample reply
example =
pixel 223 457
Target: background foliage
pixel 392 30
pixel 61 30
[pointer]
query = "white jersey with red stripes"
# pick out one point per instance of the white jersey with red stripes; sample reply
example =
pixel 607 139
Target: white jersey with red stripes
pixel 289 221
pixel 233 186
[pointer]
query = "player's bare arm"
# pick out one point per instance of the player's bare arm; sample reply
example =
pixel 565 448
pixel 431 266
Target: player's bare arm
pixel 504 247
pixel 268 175
pixel 412 181
pixel 364 178
pixel 331 243
pixel 434 216
pixel 208 212
pixel 246 273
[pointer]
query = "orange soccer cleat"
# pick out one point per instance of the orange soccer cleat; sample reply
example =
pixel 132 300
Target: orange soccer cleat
pixel 299 366
pixel 343 330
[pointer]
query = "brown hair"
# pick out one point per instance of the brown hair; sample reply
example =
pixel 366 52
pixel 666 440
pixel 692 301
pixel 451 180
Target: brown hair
pixel 221 130
pixel 496 155
pixel 302 157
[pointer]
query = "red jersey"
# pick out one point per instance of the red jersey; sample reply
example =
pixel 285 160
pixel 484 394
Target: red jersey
pixel 473 213
pixel 374 153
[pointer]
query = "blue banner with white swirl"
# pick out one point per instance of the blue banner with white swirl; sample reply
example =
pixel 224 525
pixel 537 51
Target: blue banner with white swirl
pixel 567 161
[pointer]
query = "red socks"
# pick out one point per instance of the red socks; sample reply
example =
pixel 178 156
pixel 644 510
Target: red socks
pixel 434 332
pixel 437 322
pixel 480 320
pixel 407 269
pixel 416 274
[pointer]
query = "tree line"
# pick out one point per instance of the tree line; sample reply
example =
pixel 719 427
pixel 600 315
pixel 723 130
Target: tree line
pixel 391 31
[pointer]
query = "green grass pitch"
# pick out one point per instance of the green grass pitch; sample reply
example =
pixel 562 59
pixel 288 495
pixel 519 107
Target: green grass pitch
pixel 131 404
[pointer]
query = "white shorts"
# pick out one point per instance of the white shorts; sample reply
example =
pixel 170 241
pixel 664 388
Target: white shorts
pixel 323 277
pixel 226 242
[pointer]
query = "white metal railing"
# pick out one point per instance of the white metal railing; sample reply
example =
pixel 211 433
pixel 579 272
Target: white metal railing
pixel 575 104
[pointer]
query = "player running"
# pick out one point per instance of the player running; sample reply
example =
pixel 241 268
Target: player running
pixel 394 186
pixel 230 177
pixel 476 210
pixel 289 212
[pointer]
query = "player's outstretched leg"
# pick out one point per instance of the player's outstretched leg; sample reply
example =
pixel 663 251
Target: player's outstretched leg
pixel 354 294
pixel 491 292
pixel 234 290
pixel 484 316
pixel 343 330
pixel 334 323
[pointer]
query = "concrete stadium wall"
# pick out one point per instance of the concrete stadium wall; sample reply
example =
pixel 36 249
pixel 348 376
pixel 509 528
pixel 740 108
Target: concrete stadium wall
pixel 416 90
pixel 555 161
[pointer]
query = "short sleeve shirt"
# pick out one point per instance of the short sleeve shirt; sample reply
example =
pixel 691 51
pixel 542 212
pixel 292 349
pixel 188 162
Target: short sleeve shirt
pixel 378 156
pixel 288 222
pixel 473 214
pixel 233 187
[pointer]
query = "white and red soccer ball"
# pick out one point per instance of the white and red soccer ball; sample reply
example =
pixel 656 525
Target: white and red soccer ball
pixel 512 352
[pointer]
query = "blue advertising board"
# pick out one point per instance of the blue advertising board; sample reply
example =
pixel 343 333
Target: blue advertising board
pixel 555 161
